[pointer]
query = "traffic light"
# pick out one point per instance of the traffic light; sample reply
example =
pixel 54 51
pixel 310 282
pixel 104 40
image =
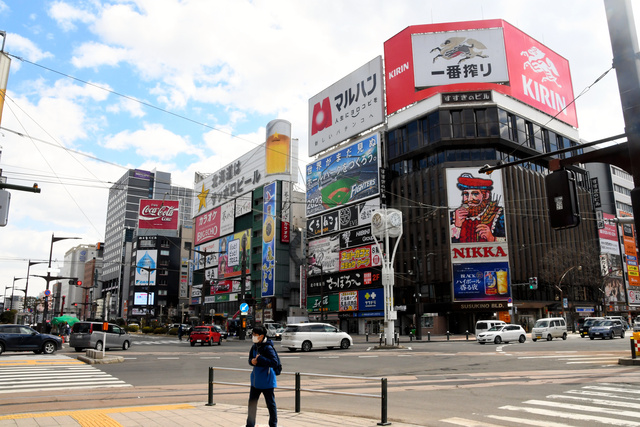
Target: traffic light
pixel 72 282
pixel 79 282
pixel 533 283
pixel 562 199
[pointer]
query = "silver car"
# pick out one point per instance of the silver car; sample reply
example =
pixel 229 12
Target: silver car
pixel 90 335
pixel 306 336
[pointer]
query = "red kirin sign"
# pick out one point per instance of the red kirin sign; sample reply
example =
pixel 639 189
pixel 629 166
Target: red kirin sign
pixel 158 214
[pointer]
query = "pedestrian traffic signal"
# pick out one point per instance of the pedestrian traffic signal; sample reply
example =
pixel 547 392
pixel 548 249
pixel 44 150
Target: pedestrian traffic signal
pixel 79 282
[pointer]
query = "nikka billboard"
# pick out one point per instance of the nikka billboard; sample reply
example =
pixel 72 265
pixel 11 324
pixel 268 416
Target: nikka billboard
pixel 479 251
pixel 425 60
pixel 158 214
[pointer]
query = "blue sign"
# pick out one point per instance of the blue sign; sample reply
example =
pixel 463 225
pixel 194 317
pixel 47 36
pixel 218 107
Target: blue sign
pixel 370 299
pixel 485 281
pixel 244 307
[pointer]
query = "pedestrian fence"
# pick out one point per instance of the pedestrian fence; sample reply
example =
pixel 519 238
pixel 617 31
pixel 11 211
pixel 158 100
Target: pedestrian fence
pixel 299 389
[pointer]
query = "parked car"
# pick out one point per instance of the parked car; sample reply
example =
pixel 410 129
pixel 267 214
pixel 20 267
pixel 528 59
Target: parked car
pixel 90 335
pixel 586 325
pixel 636 325
pixel 606 328
pixel 224 334
pixel 272 330
pixel 24 338
pixel 485 325
pixel 306 336
pixel 622 320
pixel 549 328
pixel 206 334
pixel 503 333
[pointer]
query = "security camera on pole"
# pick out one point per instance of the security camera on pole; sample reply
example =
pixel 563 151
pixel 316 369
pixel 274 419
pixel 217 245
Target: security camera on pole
pixel 385 224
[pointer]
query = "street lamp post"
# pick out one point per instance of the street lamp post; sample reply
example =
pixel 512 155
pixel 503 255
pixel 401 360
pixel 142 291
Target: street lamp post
pixel 12 289
pixel 48 277
pixel 559 286
pixel 385 224
pixel 30 263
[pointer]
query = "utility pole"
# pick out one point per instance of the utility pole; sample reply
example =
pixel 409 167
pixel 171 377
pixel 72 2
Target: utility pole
pixel 624 44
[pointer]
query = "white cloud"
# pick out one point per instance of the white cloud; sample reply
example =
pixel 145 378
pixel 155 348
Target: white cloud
pixel 132 107
pixel 67 15
pixel 153 141
pixel 21 46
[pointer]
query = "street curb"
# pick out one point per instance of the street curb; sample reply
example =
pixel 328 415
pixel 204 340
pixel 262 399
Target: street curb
pixel 106 360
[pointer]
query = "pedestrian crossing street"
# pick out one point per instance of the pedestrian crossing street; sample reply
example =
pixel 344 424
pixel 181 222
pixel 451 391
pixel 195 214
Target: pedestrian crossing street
pixel 22 374
pixel 598 404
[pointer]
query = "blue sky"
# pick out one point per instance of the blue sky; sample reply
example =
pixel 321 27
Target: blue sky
pixel 223 70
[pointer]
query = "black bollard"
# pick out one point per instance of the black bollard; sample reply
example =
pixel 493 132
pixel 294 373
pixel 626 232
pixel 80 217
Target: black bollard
pixel 467 332
pixel 367 335
pixel 447 335
pixel 428 336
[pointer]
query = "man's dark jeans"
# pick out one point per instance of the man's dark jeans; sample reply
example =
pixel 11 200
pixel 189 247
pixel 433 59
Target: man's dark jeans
pixel 270 399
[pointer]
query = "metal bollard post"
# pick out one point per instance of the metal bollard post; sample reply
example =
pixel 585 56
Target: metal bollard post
pixel 633 348
pixel 467 332
pixel 210 401
pixel 396 339
pixel 297 387
pixel 383 404
pixel 447 335
pixel 428 336
pixel 367 335
pixel 380 339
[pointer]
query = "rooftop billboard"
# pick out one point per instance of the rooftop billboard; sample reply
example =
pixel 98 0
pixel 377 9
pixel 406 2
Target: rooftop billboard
pixel 348 107
pixel 425 60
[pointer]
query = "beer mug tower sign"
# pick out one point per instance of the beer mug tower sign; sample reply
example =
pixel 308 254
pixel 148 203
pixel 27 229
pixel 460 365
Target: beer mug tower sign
pixel 385 224
pixel 278 147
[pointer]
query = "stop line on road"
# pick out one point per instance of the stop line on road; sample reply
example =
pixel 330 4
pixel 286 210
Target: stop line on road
pixel 605 404
pixel 20 374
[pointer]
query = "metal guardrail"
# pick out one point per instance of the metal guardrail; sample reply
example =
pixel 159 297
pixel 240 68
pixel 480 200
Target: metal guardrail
pixel 298 388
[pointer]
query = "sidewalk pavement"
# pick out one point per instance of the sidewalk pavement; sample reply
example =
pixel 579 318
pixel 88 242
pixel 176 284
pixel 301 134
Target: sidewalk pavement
pixel 195 414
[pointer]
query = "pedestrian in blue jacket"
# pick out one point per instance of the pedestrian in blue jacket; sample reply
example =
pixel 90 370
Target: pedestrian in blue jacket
pixel 263 358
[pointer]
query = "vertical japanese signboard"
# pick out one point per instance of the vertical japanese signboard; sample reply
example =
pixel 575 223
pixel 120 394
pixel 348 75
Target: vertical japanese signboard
pixel 269 240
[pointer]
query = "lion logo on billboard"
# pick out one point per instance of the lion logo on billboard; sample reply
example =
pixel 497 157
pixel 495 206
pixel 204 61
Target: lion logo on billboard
pixel 538 63
pixel 460 48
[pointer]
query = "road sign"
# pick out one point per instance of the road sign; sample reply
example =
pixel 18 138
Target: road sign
pixel 244 308
pixel 47 293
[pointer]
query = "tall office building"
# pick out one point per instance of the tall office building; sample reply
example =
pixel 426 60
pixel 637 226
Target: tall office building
pixel 122 225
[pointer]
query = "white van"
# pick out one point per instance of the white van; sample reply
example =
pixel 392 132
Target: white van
pixel 485 325
pixel 549 328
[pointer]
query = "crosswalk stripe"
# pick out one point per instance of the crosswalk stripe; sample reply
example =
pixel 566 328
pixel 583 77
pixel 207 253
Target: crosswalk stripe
pixel 615 389
pixel 571 406
pixel 601 402
pixel 572 415
pixel 528 422
pixel 467 423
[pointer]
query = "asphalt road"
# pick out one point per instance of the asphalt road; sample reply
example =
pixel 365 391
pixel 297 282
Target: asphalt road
pixel 437 382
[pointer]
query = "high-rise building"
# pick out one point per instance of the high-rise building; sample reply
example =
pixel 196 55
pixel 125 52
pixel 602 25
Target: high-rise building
pixel 122 226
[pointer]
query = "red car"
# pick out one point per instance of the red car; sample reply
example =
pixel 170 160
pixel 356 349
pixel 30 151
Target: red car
pixel 204 334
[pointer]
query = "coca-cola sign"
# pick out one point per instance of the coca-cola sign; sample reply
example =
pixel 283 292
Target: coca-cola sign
pixel 158 214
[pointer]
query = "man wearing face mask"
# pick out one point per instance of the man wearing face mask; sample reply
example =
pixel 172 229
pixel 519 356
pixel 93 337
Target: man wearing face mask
pixel 264 359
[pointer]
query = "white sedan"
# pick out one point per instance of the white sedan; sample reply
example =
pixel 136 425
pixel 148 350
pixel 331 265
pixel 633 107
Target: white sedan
pixel 503 333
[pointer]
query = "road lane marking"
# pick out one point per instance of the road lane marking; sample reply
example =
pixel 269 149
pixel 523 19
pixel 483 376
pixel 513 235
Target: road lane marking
pixel 468 423
pixel 168 358
pixel 528 422
pixel 572 415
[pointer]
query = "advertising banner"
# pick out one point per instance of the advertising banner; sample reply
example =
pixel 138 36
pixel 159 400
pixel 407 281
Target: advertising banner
pixel 206 226
pixel 228 286
pixel 467 54
pixel 158 214
pixel 278 147
pixel 631 254
pixel 236 180
pixel 269 240
pixel 342 219
pixel 324 252
pixel 227 218
pixel 347 108
pixel 349 280
pixel 149 260
pixel 437 57
pixel 348 301
pixel 481 281
pixel 371 299
pixel 143 298
pixel 243 204
pixel 330 302
pixel 356 237
pixel 362 257
pixel 344 177
pixel 609 243
pixel 231 252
